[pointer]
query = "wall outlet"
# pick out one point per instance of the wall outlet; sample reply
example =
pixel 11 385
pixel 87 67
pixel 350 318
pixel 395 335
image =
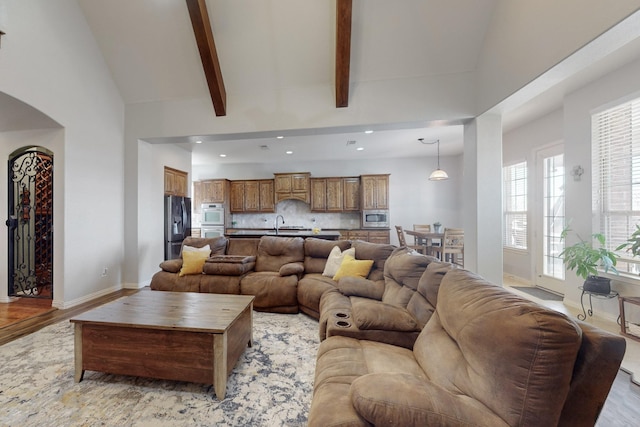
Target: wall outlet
pixel 104 272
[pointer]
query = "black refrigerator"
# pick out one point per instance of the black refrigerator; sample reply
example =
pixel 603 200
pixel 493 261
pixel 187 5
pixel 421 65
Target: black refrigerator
pixel 177 224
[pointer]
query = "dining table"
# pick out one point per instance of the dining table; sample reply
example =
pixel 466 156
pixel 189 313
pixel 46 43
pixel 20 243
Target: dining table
pixel 426 238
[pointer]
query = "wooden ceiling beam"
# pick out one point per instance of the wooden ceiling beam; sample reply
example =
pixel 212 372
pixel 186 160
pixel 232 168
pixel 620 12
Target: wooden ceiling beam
pixel 343 51
pixel 208 54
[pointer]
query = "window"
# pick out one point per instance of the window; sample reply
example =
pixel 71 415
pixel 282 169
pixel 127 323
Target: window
pixel 514 234
pixel 553 215
pixel 616 176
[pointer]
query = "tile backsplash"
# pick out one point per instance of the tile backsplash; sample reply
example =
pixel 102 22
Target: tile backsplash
pixel 296 214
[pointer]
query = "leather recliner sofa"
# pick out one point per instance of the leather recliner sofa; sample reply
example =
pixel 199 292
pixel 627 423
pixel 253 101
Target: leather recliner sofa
pixel 393 311
pixel 486 357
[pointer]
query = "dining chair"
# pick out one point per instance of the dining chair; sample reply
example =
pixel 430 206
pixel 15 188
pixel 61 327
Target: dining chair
pixel 425 243
pixel 452 248
pixel 403 240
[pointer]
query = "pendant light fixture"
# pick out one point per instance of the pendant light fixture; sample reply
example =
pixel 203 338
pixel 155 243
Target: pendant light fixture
pixel 438 174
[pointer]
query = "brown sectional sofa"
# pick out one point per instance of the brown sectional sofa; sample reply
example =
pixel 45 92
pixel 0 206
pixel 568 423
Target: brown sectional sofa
pixel 421 342
pixel 485 358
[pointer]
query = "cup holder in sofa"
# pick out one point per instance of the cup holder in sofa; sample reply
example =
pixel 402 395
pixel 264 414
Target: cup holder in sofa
pixel 341 315
pixel 343 323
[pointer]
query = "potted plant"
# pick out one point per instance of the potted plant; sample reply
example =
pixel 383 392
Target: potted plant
pixel 437 227
pixel 585 260
pixel 633 243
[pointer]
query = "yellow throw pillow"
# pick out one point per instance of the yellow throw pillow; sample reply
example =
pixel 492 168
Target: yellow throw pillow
pixel 353 268
pixel 192 262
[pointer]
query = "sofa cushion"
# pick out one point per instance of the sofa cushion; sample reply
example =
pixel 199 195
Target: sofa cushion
pixel 372 314
pixel 334 260
pixel 316 252
pixel 310 289
pixel 410 401
pixel 350 267
pixel 192 262
pixel 217 245
pixel 276 251
pixel 171 265
pixel 423 303
pixel 402 272
pixel 227 268
pixel 377 252
pixel 291 268
pixel 480 328
pixel 361 287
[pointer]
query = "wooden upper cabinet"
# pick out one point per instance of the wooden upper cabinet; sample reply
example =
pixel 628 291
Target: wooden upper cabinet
pixel 252 196
pixel 337 194
pixel 351 191
pixel 292 186
pixel 335 191
pixel 176 182
pixel 209 191
pixel 236 196
pixel 318 194
pixel 375 191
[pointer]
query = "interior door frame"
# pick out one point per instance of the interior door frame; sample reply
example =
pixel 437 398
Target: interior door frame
pixel 36 217
pixel 540 279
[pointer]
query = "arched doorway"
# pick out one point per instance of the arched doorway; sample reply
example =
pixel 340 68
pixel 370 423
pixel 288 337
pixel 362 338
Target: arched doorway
pixel 30 223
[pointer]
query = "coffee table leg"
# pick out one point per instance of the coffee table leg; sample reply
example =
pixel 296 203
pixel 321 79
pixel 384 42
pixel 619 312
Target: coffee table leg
pixel 220 364
pixel 79 372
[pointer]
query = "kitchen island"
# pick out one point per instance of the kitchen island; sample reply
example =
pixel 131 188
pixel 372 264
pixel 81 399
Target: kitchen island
pixel 304 233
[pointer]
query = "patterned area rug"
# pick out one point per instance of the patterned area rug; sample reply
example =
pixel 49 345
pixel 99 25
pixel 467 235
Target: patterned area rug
pixel 271 385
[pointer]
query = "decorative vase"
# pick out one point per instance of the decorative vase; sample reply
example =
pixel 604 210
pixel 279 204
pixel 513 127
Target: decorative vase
pixel 598 285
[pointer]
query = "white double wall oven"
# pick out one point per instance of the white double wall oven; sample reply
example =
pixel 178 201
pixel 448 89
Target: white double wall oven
pixel 213 217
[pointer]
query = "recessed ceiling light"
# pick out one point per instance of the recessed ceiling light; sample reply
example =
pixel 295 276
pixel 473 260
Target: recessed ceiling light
pixel 279 137
pixel 289 152
pixel 360 149
pixel 198 142
pixel 368 131
pixel 223 155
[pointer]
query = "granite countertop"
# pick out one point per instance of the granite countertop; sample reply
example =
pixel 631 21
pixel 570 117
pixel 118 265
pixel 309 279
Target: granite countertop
pixel 284 232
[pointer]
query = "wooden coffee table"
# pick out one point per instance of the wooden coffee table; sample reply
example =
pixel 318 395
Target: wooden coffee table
pixel 181 336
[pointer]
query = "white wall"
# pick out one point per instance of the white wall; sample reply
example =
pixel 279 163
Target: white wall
pixel 49 60
pixel 520 145
pixel 573 125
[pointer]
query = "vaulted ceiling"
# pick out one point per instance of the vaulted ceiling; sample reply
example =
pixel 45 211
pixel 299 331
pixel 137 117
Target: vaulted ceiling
pixel 281 48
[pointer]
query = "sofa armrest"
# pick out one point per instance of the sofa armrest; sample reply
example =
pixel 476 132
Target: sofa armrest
pixel 377 315
pixel 361 287
pixel 291 268
pixel 413 401
pixel 172 265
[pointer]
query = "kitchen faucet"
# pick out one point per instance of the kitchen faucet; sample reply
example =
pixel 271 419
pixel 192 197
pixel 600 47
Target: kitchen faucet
pixel 275 225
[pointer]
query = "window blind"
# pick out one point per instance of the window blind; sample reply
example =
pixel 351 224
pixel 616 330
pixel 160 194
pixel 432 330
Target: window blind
pixel 514 234
pixel 616 173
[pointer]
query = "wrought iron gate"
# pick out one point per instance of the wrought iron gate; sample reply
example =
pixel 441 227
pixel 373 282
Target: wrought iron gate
pixel 30 223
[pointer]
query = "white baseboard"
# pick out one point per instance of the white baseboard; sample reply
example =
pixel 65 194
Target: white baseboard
pixel 136 285
pixel 68 304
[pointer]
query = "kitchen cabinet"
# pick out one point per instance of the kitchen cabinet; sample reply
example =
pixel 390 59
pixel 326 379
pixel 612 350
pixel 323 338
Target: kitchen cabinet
pixel 379 236
pixel 292 186
pixel 337 194
pixel 351 199
pixel 373 236
pixel 251 196
pixel 175 182
pixel 209 191
pixel 375 191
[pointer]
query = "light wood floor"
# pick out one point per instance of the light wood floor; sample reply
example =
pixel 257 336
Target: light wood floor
pixel 41 318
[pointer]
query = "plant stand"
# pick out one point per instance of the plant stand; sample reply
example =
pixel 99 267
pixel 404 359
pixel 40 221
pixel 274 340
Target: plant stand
pixel 583 316
pixel 624 328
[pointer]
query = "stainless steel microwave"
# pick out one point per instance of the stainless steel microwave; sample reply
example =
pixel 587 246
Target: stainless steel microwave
pixel 375 218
